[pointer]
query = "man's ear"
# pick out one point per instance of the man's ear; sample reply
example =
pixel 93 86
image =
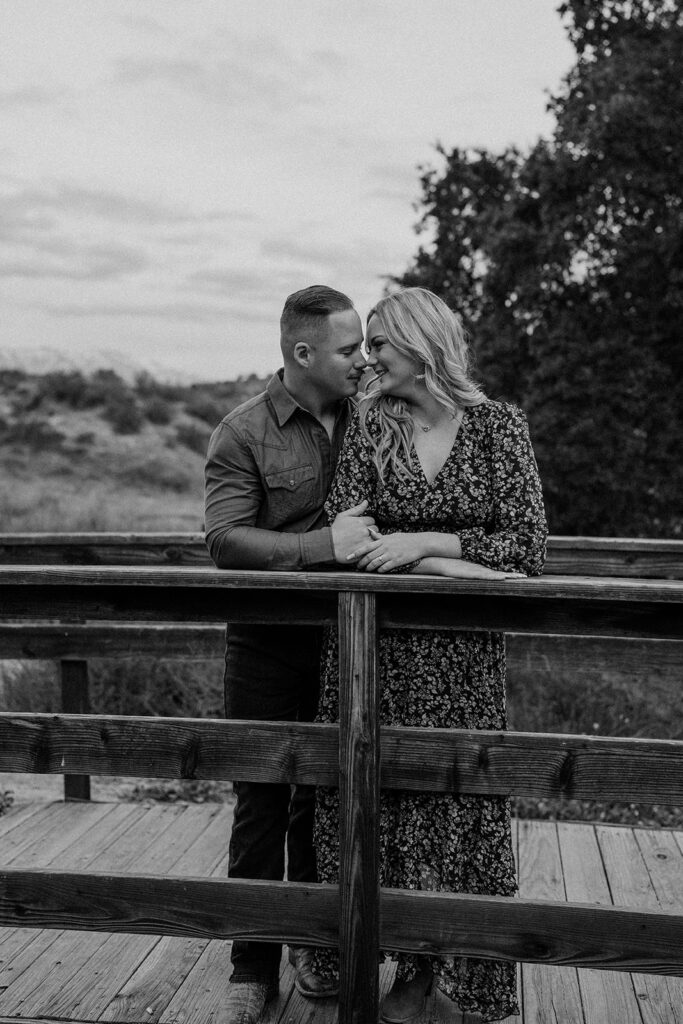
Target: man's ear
pixel 302 353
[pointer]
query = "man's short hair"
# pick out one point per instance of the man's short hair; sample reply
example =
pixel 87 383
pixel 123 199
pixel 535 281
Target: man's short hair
pixel 308 308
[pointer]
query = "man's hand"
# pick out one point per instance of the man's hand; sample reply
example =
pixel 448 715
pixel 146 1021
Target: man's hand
pixel 350 529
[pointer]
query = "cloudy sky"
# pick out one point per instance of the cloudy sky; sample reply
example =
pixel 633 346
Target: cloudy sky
pixel 171 169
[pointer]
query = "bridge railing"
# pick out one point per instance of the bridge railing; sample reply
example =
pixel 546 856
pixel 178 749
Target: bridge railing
pixel 99 601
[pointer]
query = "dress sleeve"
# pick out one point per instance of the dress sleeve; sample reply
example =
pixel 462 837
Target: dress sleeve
pixel 355 478
pixel 516 539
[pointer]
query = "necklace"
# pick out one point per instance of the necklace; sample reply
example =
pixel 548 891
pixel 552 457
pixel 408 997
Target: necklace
pixel 426 427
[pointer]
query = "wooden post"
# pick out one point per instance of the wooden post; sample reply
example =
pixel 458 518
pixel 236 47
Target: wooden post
pixel 359 809
pixel 75 701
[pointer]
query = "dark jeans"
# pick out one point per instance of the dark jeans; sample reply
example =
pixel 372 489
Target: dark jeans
pixel 272 673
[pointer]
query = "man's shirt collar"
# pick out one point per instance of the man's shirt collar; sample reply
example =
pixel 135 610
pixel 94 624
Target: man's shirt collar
pixel 285 406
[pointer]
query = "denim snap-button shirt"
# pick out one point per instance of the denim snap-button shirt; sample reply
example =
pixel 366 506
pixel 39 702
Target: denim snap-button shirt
pixel 269 468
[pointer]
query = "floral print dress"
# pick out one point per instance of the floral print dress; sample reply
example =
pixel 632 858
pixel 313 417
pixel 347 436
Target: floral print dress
pixel 488 492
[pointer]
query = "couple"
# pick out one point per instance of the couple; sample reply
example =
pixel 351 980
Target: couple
pixel 423 475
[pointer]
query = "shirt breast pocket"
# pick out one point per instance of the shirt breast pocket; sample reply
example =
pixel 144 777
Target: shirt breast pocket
pixel 291 492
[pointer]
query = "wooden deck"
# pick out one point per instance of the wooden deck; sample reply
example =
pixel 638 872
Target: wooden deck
pixel 86 976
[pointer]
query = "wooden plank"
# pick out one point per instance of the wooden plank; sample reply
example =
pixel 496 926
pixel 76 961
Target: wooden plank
pixel 148 989
pixel 75 701
pixel 121 819
pixel 537 931
pixel 94 979
pixel 606 996
pixel 83 848
pixel 664 863
pixel 550 993
pixel 604 556
pixel 631 885
pixel 202 995
pixel 532 765
pixel 610 556
pixel 554 605
pixel 529 658
pixel 35 829
pixel 47 641
pixel 19 948
pixel 49 972
pixel 588 659
pixel 69 829
pixel 104 549
pixel 22 956
pixel 16 816
pixel 184 604
pixel 43 967
pixel 514 613
pixel 75 971
pixel 359 809
pixel 222 581
pixel 151 986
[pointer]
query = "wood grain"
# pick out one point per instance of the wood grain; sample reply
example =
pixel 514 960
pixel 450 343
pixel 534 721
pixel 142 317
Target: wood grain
pixel 550 993
pixel 533 765
pixel 606 996
pixel 536 931
pixel 591 556
pixel 571 587
pixel 359 809
pixel 75 701
pixel 659 999
pixel 564 605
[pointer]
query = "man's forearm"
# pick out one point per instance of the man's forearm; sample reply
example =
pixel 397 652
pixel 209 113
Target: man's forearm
pixel 248 547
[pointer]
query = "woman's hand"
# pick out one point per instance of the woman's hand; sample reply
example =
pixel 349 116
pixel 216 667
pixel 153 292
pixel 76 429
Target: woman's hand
pixel 458 568
pixel 382 554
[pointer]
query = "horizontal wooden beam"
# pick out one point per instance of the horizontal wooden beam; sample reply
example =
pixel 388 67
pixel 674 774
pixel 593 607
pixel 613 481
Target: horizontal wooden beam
pixel 627 608
pixel 529 657
pixel 591 556
pixel 224 580
pixel 535 931
pixel 535 765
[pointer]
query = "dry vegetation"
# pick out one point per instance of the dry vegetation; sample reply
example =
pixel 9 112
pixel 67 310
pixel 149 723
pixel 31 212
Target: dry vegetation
pixel 80 454
pixel 94 453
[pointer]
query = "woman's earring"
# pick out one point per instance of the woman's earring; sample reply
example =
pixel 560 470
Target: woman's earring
pixel 420 376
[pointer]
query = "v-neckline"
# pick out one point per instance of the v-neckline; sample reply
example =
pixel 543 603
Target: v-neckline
pixel 449 455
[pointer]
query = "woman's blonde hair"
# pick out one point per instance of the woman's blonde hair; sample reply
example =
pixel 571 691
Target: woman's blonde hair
pixel 421 326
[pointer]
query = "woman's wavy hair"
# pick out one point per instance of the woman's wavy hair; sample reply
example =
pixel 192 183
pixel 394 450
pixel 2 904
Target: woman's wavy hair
pixel 421 326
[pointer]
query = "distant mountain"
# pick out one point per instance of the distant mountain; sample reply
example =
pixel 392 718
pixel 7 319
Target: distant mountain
pixel 44 359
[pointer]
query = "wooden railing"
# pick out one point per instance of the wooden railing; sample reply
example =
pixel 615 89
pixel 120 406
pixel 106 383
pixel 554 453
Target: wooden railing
pixel 530 658
pixel 567 556
pixel 94 607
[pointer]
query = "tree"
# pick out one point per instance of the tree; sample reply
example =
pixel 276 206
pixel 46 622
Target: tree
pixel 567 262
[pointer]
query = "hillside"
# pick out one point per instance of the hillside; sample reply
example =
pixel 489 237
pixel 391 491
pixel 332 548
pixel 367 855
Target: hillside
pixel 93 452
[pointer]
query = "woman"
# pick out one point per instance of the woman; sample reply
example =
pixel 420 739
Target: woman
pixel 453 485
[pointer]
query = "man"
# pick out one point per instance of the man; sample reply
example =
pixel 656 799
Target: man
pixel 269 467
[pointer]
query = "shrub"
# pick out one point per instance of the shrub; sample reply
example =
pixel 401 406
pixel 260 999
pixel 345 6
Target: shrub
pixel 193 437
pixel 205 407
pixel 157 410
pixel 122 411
pixel 33 433
pixel 147 686
pixel 69 388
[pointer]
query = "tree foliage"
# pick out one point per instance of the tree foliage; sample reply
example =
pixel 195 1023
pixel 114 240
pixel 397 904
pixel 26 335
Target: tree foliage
pixel 567 263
